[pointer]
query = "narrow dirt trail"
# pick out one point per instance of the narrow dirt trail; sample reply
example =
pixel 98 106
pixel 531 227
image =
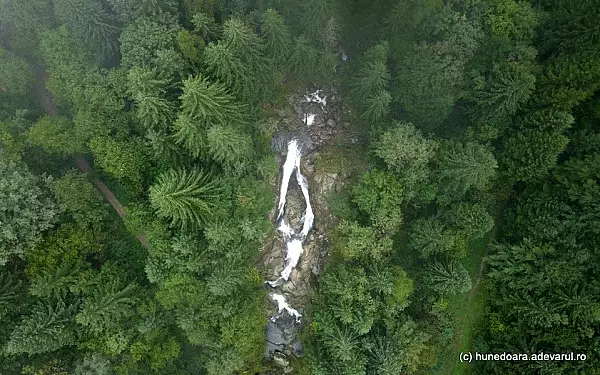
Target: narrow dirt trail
pixel 48 104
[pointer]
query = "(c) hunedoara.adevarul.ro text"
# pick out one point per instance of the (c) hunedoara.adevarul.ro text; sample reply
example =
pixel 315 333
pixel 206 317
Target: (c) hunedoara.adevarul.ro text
pixel 541 356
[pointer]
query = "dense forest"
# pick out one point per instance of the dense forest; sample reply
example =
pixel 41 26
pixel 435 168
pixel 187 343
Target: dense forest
pixel 138 181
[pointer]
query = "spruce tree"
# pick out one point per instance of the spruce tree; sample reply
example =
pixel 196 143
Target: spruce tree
pixel 106 306
pixel 11 289
pixel 203 105
pixel 276 35
pixel 428 237
pixel 230 147
pixel 450 278
pixel 185 197
pixel 91 23
pixel 47 328
pixel 369 85
pixel 462 167
pixel 511 86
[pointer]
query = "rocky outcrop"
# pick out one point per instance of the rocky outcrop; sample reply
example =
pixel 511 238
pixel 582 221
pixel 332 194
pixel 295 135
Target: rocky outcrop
pixel 281 332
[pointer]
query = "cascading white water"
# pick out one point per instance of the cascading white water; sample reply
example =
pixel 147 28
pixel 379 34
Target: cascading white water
pixel 293 240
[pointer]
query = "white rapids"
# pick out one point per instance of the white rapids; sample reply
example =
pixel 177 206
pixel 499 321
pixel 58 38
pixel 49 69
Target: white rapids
pixel 293 240
pixel 283 305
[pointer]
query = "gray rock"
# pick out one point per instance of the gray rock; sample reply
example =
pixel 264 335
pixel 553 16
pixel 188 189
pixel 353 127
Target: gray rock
pixel 331 122
pixel 275 335
pixel 297 348
pixel 281 359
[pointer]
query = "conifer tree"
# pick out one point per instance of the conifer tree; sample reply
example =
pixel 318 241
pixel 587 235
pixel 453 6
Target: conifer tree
pixel 106 306
pixel 450 278
pixel 369 85
pixel 342 343
pixel 148 89
pixel 462 167
pixel 90 22
pixel 276 35
pixel 530 154
pixel 428 237
pixel 47 328
pixel 222 63
pixel 203 105
pixel 229 147
pixel 10 291
pixel 471 218
pixel 185 197
pixel 510 86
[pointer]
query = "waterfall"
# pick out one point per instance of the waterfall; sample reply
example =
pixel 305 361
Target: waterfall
pixel 293 240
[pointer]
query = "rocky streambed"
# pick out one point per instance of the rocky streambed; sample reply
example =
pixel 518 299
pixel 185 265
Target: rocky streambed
pixel 302 217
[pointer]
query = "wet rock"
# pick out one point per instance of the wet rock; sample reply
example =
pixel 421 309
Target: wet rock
pixel 275 335
pixel 298 348
pixel 316 270
pixel 281 359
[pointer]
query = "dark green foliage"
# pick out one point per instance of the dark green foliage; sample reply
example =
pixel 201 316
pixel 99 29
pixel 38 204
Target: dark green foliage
pixel 148 89
pixel 509 87
pixel 47 328
pixel 16 77
pixel 532 153
pixel 472 219
pixel 449 278
pixel 79 198
pixel 185 197
pixel 124 160
pixel 276 35
pixel 463 167
pixel 431 75
pixel 143 39
pixel 229 146
pixel 54 135
pixel 407 153
pixel 90 23
pixel 25 210
pixel 106 306
pixel 203 105
pixel 360 243
pixel 11 289
pixel 381 196
pixel 429 237
pixel 369 85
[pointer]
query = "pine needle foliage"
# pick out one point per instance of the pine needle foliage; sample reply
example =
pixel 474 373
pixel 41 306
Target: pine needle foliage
pixel 48 328
pixel 10 291
pixel 210 102
pixel 106 306
pixel 186 197
pixel 90 22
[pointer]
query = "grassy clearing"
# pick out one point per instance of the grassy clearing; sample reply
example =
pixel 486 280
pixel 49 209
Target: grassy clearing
pixel 468 310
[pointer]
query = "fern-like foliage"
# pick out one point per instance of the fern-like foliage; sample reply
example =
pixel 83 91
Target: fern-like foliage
pixel 186 197
pixel 206 101
pixel 106 306
pixel 90 22
pixel 229 146
pixel 10 291
pixel 53 282
pixel 450 278
pixel 204 104
pixel 342 343
pixel 48 328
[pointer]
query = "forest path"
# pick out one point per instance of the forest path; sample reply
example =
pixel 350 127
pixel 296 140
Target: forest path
pixel 48 104
pixel 467 311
